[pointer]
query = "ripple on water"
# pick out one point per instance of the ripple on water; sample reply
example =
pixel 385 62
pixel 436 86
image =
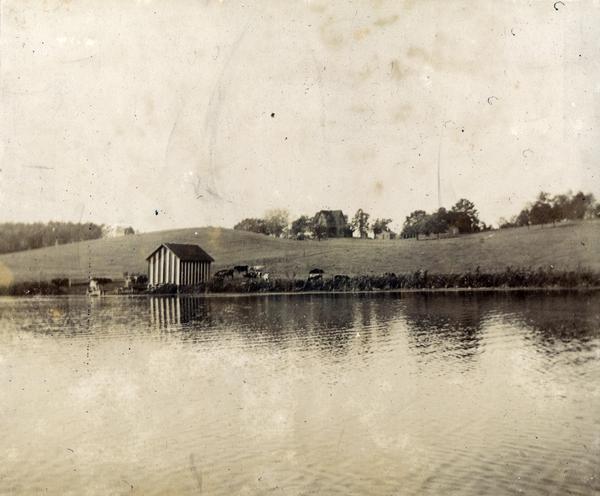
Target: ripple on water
pixel 378 394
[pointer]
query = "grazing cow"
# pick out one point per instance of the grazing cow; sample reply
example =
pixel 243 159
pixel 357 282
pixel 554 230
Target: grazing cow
pixel 223 273
pixel 316 274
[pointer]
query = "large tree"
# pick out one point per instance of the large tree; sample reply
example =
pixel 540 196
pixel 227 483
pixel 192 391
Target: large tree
pixel 381 225
pixel 360 223
pixel 464 216
pixel 300 226
pixel 414 224
pixel 276 221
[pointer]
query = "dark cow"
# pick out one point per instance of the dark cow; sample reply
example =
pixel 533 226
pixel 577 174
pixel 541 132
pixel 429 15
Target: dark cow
pixel 223 273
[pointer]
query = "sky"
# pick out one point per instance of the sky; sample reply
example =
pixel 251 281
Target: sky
pixel 189 113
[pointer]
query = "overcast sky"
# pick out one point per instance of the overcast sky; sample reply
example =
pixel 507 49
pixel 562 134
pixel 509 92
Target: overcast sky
pixel 208 112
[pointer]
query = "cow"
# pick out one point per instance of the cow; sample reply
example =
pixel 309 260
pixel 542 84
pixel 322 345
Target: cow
pixel 316 274
pixel 223 273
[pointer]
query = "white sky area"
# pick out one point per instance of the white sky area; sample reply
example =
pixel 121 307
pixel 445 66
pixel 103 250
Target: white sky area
pixel 111 110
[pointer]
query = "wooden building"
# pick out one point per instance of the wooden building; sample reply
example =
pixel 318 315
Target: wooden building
pixel 179 264
pixel 333 222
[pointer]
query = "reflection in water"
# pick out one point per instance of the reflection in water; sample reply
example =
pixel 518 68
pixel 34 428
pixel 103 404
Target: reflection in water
pixel 329 394
pixel 451 324
pixel 170 311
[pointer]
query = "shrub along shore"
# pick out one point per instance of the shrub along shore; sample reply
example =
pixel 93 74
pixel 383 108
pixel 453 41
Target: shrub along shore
pixel 510 278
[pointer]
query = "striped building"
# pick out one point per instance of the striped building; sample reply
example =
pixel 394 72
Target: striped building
pixel 183 265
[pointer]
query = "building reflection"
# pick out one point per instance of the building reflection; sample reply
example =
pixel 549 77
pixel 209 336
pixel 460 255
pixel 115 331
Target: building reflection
pixel 169 311
pixel 452 326
pixel 330 322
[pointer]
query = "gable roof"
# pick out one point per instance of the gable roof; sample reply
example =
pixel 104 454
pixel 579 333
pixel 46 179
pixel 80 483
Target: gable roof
pixel 334 218
pixel 186 253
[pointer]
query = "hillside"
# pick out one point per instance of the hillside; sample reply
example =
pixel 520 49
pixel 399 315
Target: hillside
pixel 564 246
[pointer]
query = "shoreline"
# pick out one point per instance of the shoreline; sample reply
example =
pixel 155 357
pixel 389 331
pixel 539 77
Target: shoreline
pixel 522 289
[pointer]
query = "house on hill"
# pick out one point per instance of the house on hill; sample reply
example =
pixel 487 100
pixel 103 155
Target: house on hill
pixel 179 264
pixel 333 222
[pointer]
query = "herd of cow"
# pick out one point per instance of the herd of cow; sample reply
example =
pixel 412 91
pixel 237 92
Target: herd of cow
pixel 258 272
pixel 249 271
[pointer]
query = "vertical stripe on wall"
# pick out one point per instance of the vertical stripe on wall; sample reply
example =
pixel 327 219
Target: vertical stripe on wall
pixel 157 267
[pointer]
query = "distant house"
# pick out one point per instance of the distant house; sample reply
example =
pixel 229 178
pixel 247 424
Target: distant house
pixel 452 232
pixel 333 222
pixel 179 264
pixel 386 235
pixel 117 231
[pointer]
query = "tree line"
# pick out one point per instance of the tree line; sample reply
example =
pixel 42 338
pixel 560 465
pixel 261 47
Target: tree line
pixel 462 216
pixel 18 236
pixel 548 209
pixel 277 223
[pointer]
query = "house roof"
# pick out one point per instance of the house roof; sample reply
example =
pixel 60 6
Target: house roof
pixel 186 253
pixel 333 217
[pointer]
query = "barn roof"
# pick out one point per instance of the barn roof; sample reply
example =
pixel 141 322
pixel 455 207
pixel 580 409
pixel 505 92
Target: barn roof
pixel 186 253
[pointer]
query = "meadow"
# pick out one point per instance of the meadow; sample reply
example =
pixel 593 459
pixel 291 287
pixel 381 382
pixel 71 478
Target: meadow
pixel 568 247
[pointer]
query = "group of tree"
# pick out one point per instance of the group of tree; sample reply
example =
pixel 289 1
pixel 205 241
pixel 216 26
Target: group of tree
pixel 548 209
pixel 20 236
pixel 462 216
pixel 274 223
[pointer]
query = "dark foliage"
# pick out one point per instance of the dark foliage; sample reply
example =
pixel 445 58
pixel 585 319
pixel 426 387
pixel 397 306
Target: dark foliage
pixel 419 280
pixel 549 210
pixel 20 236
pixel 463 216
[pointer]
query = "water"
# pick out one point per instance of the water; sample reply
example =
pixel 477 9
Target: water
pixel 377 394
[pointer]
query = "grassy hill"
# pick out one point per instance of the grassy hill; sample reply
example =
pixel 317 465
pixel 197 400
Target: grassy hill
pixel 564 246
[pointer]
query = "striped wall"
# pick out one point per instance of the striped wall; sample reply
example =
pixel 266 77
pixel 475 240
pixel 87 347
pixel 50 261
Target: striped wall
pixel 166 311
pixel 164 267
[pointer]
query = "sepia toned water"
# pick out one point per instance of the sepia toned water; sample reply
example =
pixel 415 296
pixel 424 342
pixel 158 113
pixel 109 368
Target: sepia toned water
pixel 304 394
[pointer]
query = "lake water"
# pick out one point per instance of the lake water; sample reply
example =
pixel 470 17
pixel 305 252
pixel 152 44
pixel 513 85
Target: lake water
pixel 304 394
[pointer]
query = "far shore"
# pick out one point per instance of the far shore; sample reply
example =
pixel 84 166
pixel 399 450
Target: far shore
pixel 511 279
pixel 523 289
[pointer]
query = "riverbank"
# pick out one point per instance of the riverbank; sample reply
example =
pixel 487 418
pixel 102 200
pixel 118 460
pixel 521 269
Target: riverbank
pixel 511 279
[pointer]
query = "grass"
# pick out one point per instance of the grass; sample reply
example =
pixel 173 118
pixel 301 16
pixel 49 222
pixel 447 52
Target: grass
pixel 565 247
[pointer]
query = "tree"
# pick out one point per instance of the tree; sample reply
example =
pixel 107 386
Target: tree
pixel 300 226
pixel 253 225
pixel 360 222
pixel 541 211
pixel 438 222
pixel 464 216
pixel 414 224
pixel 581 204
pixel 381 225
pixel 276 221
pixel 523 218
pixel 129 231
